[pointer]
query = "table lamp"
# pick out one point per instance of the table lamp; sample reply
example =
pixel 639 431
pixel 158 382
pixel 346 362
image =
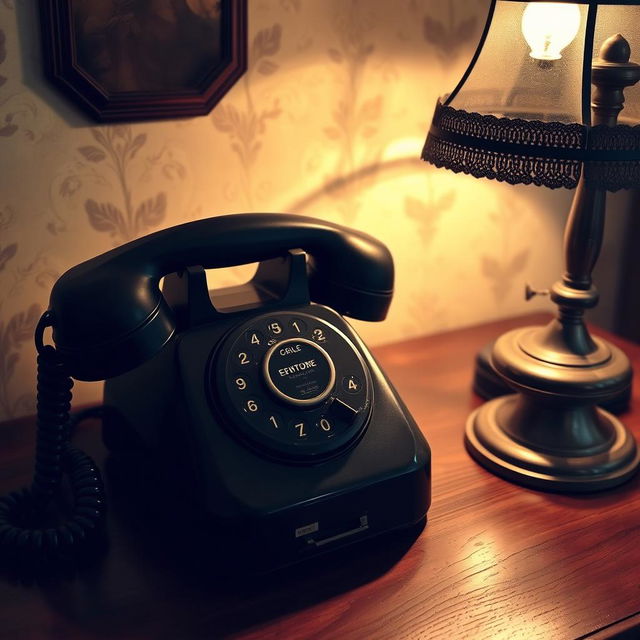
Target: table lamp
pixel 525 112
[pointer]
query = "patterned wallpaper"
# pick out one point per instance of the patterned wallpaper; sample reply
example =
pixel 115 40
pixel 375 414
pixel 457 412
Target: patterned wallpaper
pixel 328 121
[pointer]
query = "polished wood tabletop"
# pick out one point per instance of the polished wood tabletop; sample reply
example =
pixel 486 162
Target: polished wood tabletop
pixel 495 560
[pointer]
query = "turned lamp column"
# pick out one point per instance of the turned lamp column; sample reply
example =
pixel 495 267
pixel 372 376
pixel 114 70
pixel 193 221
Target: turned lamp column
pixel 611 73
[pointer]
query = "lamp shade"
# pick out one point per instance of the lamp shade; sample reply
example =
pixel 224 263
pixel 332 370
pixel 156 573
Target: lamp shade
pixel 522 112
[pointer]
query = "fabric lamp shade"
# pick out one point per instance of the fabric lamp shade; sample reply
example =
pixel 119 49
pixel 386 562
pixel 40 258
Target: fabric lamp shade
pixel 522 112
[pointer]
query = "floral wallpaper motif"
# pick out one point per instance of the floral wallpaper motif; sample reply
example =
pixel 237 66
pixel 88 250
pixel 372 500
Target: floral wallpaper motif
pixel 18 111
pixel 7 253
pixel 111 182
pixel 17 331
pixel 17 327
pixel 247 127
pixel 327 121
pixel 356 114
pixel 117 148
pixel 427 212
pixel 449 27
pixel 503 266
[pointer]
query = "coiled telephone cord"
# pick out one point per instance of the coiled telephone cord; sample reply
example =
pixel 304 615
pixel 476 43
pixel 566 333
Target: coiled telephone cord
pixel 25 537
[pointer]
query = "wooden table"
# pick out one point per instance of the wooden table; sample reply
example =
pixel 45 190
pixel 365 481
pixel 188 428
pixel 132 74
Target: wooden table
pixel 494 561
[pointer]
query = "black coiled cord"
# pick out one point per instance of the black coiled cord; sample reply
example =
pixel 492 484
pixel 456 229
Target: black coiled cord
pixel 30 534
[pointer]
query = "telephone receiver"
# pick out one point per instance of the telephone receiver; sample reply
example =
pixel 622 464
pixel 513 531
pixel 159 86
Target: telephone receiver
pixel 109 315
pixel 258 404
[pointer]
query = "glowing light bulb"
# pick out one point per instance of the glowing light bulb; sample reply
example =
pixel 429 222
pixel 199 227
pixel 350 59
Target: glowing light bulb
pixel 548 27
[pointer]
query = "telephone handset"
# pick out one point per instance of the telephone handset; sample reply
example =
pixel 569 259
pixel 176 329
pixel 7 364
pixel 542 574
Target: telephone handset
pixel 259 403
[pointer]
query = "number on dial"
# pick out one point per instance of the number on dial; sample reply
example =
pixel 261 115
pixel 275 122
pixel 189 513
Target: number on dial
pixel 351 384
pixel 275 328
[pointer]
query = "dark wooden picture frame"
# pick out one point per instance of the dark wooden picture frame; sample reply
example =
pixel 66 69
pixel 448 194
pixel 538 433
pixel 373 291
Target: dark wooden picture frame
pixel 125 62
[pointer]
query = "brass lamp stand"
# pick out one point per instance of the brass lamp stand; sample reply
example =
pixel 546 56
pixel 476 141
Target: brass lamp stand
pixel 550 434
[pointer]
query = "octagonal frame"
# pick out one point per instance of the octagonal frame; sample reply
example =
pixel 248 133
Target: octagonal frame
pixel 64 71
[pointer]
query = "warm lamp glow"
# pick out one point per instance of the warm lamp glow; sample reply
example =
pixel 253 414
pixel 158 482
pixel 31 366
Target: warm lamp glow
pixel 548 27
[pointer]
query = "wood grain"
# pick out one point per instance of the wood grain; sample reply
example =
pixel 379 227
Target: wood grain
pixel 494 561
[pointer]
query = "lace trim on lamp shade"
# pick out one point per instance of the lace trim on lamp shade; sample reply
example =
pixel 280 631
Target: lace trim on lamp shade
pixel 622 137
pixel 520 151
pixel 612 176
pixel 504 167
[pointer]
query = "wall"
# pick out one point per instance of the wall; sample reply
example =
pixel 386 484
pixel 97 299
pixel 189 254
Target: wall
pixel 328 121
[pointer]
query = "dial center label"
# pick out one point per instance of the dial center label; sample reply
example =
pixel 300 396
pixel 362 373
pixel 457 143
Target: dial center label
pixel 299 371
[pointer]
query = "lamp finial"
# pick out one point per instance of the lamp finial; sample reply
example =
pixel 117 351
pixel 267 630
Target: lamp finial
pixel 615 49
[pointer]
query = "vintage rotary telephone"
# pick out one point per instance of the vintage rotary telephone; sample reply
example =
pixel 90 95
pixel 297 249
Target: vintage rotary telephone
pixel 263 407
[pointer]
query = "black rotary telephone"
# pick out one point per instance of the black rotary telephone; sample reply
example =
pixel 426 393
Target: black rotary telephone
pixel 257 403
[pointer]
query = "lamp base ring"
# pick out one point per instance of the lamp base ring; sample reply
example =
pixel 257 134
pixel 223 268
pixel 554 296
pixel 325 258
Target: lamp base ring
pixel 494 448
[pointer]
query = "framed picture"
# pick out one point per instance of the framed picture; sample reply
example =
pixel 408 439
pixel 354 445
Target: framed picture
pixel 130 60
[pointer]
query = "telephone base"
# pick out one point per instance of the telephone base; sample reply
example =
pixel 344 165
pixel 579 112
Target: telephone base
pixel 259 543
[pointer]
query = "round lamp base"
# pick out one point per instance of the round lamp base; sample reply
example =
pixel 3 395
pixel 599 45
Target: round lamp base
pixel 489 439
